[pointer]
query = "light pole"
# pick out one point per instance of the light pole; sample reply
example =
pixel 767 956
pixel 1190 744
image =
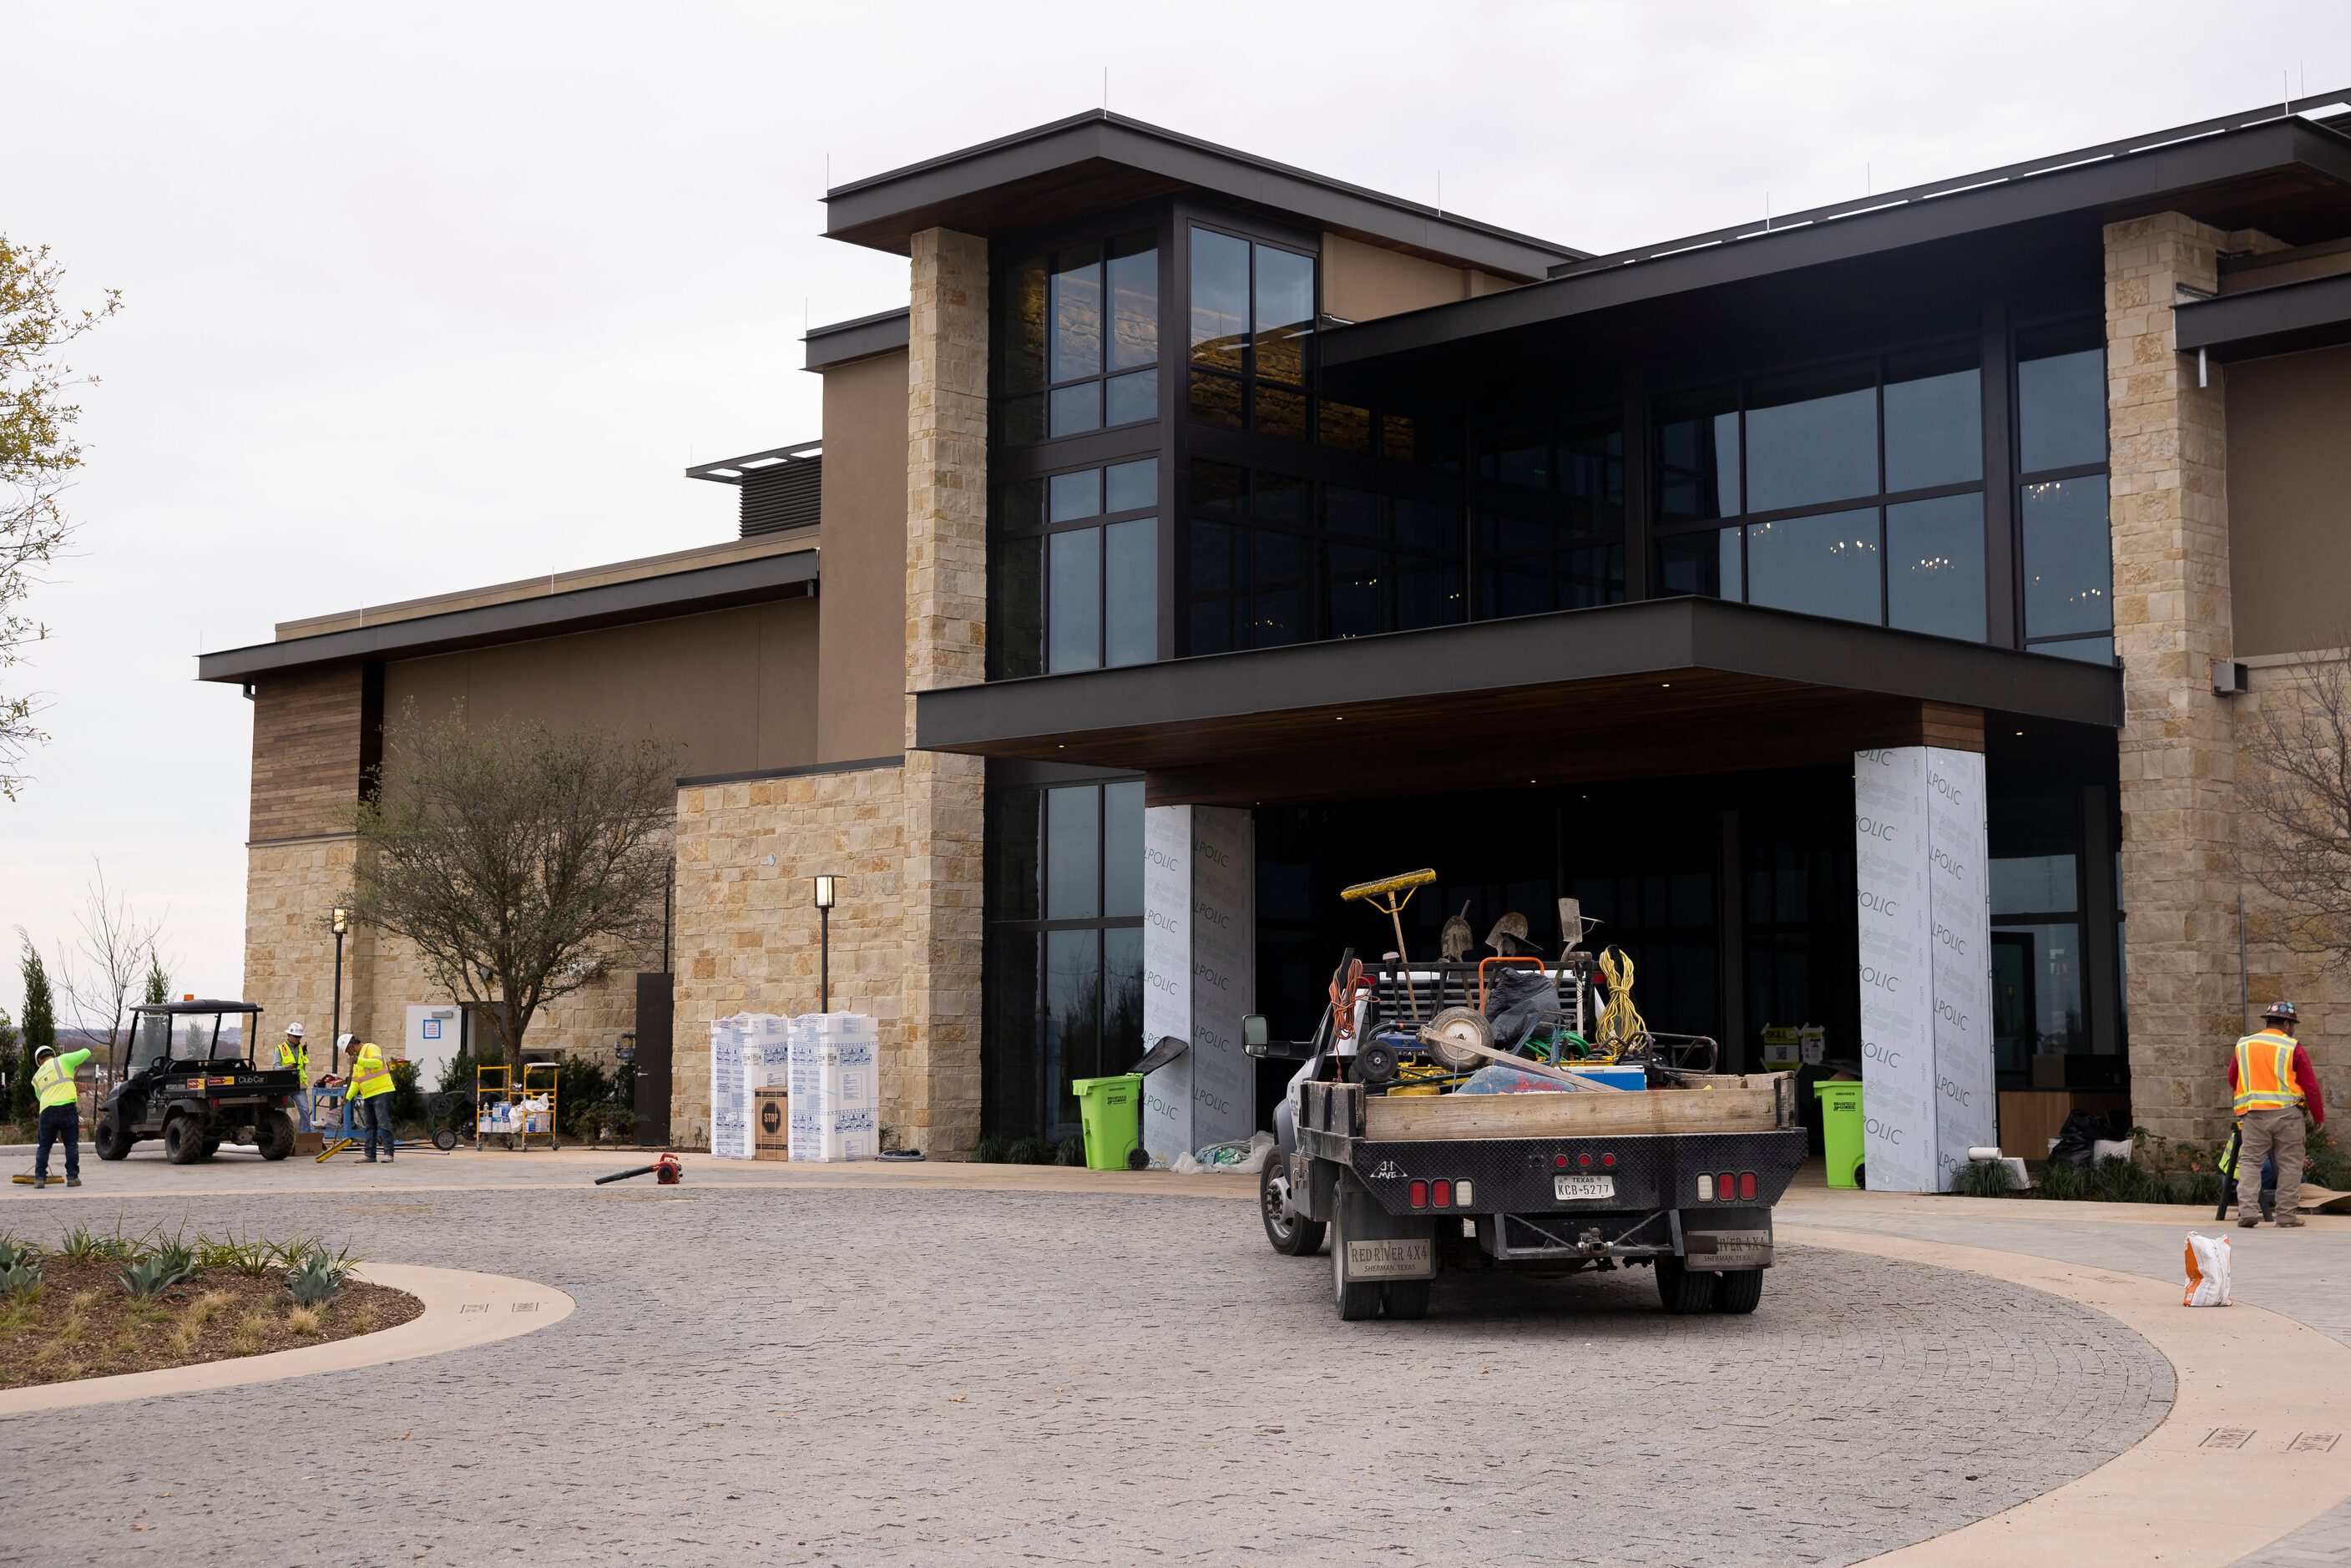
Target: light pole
pixel 342 923
pixel 826 889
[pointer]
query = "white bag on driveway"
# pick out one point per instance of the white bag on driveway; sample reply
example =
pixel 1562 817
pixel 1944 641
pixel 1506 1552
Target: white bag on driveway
pixel 2207 1271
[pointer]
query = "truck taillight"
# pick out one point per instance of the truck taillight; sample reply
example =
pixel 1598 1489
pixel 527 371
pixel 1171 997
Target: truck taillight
pixel 1461 1193
pixel 1441 1194
pixel 1746 1185
pixel 1725 1186
pixel 1420 1194
pixel 1609 1160
pixel 1583 1161
pixel 1705 1190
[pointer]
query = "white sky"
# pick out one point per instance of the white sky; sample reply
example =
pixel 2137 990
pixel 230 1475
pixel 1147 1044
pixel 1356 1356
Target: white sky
pixel 421 297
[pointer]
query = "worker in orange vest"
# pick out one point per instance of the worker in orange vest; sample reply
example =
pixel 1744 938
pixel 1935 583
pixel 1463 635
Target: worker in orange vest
pixel 2274 1084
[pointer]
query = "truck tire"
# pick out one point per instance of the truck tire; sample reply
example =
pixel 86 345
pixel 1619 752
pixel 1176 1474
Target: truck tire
pixel 110 1140
pixel 1683 1290
pixel 1739 1290
pixel 273 1135
pixel 1292 1235
pixel 183 1140
pixel 1355 1301
pixel 1409 1299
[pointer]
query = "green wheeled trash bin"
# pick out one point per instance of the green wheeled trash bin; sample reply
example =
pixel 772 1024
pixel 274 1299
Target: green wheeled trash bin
pixel 1841 1129
pixel 1112 1112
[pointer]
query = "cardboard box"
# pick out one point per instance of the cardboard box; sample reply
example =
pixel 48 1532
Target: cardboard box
pixel 771 1125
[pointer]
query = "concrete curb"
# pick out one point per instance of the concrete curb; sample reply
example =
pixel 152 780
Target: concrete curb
pixel 2260 1411
pixel 461 1309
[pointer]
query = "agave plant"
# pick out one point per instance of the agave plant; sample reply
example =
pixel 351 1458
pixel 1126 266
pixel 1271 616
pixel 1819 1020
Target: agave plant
pixel 317 1280
pixel 151 1277
pixel 14 1251
pixel 20 1279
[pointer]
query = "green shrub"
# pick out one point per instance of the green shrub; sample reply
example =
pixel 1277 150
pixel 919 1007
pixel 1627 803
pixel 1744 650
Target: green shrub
pixel 1031 1151
pixel 1072 1152
pixel 2064 1183
pixel 580 1086
pixel 992 1149
pixel 1983 1178
pixel 2327 1162
pixel 16 1249
pixel 458 1076
pixel 251 1256
pixel 407 1099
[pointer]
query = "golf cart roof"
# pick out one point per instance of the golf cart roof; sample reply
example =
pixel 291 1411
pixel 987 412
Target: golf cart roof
pixel 197 1006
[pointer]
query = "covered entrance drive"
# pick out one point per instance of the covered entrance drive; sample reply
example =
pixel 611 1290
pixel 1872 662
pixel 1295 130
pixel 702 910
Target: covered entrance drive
pixel 1687 769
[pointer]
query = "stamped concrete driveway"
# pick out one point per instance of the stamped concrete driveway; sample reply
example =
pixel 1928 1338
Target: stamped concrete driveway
pixel 797 1372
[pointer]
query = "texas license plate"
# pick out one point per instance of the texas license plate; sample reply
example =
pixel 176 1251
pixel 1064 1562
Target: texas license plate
pixel 1568 1189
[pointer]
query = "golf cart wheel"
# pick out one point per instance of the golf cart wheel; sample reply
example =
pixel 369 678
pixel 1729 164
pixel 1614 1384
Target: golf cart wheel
pixel 1292 1235
pixel 444 1139
pixel 183 1140
pixel 1409 1299
pixel 273 1135
pixel 110 1141
pixel 1683 1290
pixel 1356 1300
pixel 1739 1290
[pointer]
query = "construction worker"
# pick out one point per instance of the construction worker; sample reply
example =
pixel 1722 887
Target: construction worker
pixel 294 1055
pixel 2274 1084
pixel 370 1098
pixel 60 1114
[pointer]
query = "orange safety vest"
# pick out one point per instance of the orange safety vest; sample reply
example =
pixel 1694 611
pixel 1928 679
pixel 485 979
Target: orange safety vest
pixel 2265 1079
pixel 369 1076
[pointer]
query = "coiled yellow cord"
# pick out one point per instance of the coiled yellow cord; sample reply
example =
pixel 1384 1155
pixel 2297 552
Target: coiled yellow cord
pixel 1620 1023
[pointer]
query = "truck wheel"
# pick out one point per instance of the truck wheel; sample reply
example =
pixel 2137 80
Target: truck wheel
pixel 273 1135
pixel 1355 1300
pixel 1292 1235
pixel 1738 1291
pixel 183 1140
pixel 1409 1299
pixel 1682 1289
pixel 110 1140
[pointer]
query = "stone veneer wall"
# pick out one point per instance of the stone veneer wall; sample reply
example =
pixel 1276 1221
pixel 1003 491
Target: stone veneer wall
pixel 2168 465
pixel 935 1073
pixel 747 930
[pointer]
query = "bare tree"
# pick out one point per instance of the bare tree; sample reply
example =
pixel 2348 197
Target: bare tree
pixel 36 453
pixel 2296 789
pixel 519 861
pixel 115 950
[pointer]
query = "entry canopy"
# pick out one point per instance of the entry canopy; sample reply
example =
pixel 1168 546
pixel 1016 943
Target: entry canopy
pixel 1657 689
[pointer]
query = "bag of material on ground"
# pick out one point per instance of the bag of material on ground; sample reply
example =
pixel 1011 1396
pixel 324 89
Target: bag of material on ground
pixel 2207 1271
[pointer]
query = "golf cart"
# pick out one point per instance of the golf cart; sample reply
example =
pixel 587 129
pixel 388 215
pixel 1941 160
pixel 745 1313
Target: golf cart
pixel 185 1072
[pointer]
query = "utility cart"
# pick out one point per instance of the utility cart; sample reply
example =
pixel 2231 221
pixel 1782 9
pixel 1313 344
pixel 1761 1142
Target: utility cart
pixel 184 1073
pixel 1629 1151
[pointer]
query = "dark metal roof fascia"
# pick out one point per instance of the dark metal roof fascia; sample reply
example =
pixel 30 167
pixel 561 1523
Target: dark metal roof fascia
pixel 522 619
pixel 2133 178
pixel 2283 318
pixel 1652 637
pixel 1098 135
pixel 860 338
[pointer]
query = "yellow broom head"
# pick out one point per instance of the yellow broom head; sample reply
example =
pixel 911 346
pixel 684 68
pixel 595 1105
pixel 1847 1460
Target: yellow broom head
pixel 1410 879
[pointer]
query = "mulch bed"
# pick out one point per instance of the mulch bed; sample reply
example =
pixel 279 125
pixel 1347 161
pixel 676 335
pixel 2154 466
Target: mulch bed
pixel 85 1325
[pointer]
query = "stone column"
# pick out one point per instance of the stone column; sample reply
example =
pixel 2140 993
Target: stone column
pixel 935 1073
pixel 1923 881
pixel 1198 973
pixel 2169 513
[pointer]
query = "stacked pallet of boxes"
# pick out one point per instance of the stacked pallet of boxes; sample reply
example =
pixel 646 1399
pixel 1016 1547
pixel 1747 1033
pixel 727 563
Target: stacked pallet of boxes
pixel 730 1110
pixel 835 1087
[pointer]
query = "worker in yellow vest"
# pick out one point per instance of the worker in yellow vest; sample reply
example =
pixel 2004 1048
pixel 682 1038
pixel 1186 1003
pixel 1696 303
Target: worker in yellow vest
pixel 2274 1084
pixel 294 1056
pixel 371 1096
pixel 60 1113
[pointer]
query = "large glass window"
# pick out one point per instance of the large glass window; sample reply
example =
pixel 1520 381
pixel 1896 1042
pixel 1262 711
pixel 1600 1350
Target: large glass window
pixel 2060 446
pixel 1073 578
pixel 1781 460
pixel 1064 955
pixel 1252 320
pixel 1079 334
pixel 1551 517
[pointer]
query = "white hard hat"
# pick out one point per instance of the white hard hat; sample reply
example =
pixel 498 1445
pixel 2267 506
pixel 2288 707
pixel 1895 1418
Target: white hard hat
pixel 345 1041
pixel 294 1030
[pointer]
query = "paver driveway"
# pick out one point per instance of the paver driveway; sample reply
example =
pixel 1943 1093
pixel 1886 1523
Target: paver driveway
pixel 800 1373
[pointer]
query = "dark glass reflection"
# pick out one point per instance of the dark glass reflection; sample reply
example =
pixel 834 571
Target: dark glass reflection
pixel 1344 427
pixel 1285 314
pixel 1123 849
pixel 1934 421
pixel 2089 650
pixel 1024 326
pixel 1278 589
pixel 1935 566
pixel 1075 495
pixel 1074 594
pixel 1130 486
pixel 1218 487
pixel 1015 857
pixel 1704 563
pixel 1825 565
pixel 1074 852
pixel 2068 560
pixel 1077 344
pixel 2061 396
pixel 1280 412
pixel 1134 283
pixel 1216 399
pixel 1122 1045
pixel 1075 409
pixel 1131 592
pixel 1697 458
pixel 1130 398
pixel 1221 298
pixel 1811 438
pixel 1074 995
pixel 1020 421
pixel 1017 626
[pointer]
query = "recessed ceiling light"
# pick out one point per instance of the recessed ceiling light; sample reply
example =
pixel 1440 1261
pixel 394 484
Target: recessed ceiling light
pixel 1665 685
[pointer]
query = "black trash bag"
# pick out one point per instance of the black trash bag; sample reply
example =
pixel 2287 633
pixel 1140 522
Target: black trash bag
pixel 2081 1129
pixel 1518 1002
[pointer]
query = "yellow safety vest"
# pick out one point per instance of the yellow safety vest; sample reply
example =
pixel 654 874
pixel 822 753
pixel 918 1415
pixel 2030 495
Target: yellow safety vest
pixel 369 1076
pixel 295 1056
pixel 2265 1077
pixel 53 1080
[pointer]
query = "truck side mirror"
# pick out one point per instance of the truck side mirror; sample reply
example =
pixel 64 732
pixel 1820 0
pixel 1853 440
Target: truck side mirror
pixel 1253 1035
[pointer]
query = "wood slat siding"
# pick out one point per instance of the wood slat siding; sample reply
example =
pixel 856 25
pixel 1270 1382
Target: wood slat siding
pixel 310 731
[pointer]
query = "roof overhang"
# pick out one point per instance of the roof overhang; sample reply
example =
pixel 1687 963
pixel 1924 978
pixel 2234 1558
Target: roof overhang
pixel 886 331
pixel 2287 174
pixel 1097 160
pixel 763 578
pixel 1651 689
pixel 2284 319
